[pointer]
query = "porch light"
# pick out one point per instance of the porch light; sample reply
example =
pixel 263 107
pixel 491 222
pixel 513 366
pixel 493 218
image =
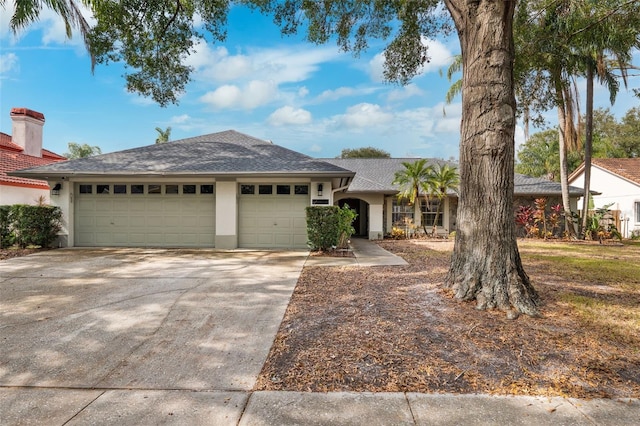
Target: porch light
pixel 319 190
pixel 56 189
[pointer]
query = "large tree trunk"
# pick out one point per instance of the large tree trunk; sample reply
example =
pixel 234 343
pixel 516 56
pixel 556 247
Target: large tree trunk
pixel 486 265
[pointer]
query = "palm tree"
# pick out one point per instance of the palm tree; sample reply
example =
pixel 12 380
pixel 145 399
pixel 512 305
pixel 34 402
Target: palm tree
pixel 603 45
pixel 163 135
pixel 411 180
pixel 442 179
pixel 28 11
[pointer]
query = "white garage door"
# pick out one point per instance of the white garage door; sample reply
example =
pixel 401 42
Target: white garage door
pixel 273 216
pixel 144 215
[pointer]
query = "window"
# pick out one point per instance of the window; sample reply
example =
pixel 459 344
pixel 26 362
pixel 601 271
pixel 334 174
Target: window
pixel 247 189
pixel 637 211
pixel 102 189
pixel 154 189
pixel 429 212
pixel 206 189
pixel 283 189
pixel 86 189
pixel 137 189
pixel 171 189
pixel 119 189
pixel 188 189
pixel 301 189
pixel 265 189
pixel 402 213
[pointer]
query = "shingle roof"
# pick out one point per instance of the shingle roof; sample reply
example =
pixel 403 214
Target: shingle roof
pixel 377 175
pixel 223 153
pixel 527 185
pixel 628 168
pixel 374 174
pixel 12 158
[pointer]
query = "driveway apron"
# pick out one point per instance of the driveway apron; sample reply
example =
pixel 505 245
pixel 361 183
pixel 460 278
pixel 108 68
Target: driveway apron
pixel 142 318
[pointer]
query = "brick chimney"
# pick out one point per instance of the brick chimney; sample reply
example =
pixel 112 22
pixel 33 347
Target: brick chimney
pixel 27 130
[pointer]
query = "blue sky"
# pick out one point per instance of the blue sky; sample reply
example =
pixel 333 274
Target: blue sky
pixel 314 99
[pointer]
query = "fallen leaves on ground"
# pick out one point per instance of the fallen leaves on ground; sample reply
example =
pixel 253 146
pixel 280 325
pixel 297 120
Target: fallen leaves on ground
pixel 387 329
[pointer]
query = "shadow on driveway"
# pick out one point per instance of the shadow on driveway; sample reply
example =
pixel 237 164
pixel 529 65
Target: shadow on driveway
pixel 142 318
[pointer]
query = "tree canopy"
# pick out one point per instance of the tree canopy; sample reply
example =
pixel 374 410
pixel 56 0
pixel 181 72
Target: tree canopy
pixel 366 152
pixel 84 150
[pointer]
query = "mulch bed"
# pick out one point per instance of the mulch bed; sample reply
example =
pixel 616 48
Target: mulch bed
pixel 17 252
pixel 395 329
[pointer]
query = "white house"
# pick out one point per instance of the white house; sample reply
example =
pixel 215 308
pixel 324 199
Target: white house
pixel 618 182
pixel 229 190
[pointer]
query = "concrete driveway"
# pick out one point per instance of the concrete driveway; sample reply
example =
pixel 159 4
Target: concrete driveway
pixel 145 320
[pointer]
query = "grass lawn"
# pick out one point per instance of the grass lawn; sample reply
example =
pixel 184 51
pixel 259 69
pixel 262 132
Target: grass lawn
pixel 397 329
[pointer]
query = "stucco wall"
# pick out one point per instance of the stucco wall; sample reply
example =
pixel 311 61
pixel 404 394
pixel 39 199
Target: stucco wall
pixel 19 195
pixel 621 192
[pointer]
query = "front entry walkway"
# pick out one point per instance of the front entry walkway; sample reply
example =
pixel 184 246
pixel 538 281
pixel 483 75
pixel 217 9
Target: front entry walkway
pixel 366 253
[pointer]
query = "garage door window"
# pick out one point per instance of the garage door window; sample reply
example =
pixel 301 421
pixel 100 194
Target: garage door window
pixel 86 189
pixel 137 189
pixel 247 189
pixel 283 189
pixel 119 189
pixel 265 189
pixel 206 189
pixel 301 189
pixel 171 189
pixel 102 189
pixel 188 189
pixel 155 189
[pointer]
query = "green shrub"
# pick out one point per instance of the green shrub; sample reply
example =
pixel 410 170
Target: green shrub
pixel 7 237
pixel 329 227
pixel 35 225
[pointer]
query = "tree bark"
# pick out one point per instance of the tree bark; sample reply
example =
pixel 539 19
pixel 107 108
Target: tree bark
pixel 564 133
pixel 588 145
pixel 486 264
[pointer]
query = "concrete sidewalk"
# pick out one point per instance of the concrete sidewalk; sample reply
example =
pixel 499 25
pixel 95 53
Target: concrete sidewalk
pixel 46 406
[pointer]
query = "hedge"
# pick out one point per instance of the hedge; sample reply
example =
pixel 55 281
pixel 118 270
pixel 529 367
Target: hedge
pixel 27 225
pixel 329 227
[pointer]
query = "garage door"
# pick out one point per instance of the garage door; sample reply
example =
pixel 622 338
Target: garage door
pixel 273 216
pixel 144 215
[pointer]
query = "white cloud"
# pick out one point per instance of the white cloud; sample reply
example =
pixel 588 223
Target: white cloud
pixel 303 92
pixel 405 92
pixel 280 65
pixel 8 63
pixel 289 115
pixel 364 115
pixel 180 119
pixel 252 95
pixel 343 92
pixel 439 57
pixel 226 96
pixel 315 148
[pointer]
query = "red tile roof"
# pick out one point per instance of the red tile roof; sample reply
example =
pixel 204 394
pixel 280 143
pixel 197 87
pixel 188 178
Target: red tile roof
pixel 628 168
pixel 12 158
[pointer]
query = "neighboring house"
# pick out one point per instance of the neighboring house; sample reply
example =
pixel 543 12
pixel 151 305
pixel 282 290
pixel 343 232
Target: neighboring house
pixel 618 182
pixel 225 190
pixel 21 150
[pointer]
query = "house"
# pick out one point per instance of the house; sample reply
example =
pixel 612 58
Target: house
pixel 618 182
pixel 23 149
pixel 224 190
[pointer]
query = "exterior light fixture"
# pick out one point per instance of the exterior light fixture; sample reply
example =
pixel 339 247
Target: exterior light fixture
pixel 319 190
pixel 56 189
